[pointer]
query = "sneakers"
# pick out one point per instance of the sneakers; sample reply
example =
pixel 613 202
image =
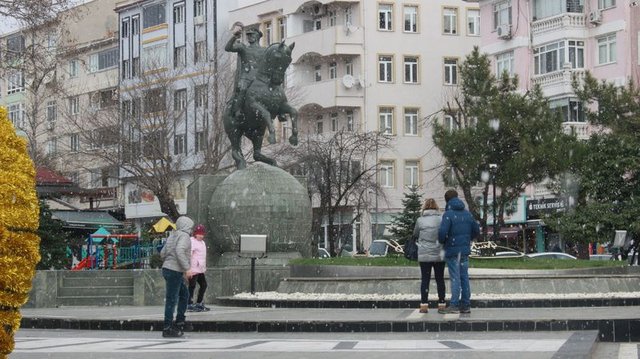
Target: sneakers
pixel 200 307
pixel 442 308
pixel 451 310
pixel 191 308
pixel 172 332
pixel 424 308
pixel 184 327
pixel 465 310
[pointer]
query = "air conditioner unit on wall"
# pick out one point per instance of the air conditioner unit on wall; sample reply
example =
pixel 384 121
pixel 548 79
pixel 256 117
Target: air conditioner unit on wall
pixel 504 31
pixel 595 17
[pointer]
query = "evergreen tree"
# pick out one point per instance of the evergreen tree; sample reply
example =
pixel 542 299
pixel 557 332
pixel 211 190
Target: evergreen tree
pixel 53 241
pixel 402 225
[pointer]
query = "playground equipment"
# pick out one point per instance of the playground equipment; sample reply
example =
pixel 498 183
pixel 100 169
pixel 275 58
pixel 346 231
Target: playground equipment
pixel 106 251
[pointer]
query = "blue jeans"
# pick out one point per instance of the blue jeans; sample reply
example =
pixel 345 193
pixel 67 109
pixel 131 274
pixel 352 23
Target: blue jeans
pixel 459 276
pixel 176 293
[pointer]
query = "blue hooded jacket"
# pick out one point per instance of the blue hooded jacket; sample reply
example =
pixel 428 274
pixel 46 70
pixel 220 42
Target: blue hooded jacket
pixel 457 229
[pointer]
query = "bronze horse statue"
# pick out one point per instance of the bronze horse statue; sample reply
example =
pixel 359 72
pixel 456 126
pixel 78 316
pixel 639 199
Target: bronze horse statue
pixel 264 100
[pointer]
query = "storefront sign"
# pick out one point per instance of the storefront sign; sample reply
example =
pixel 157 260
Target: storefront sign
pixel 538 208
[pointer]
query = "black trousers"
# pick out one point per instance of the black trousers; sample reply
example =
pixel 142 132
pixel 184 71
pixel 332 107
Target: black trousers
pixel 201 280
pixel 438 270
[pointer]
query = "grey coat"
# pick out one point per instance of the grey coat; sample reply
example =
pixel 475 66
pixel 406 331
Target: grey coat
pixel 426 229
pixel 176 252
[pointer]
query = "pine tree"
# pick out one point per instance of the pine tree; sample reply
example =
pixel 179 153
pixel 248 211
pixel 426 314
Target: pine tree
pixel 402 225
pixel 53 241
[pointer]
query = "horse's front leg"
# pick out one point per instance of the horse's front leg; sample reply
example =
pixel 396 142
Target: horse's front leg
pixel 265 117
pixel 293 114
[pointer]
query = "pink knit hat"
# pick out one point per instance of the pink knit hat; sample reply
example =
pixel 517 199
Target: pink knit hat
pixel 199 229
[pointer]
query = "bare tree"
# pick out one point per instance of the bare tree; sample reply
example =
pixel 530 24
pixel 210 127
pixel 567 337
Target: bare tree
pixel 341 173
pixel 32 12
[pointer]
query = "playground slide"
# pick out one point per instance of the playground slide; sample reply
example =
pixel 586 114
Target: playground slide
pixel 85 263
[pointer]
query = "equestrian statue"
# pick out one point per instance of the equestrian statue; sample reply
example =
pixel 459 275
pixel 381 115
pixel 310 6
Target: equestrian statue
pixel 258 96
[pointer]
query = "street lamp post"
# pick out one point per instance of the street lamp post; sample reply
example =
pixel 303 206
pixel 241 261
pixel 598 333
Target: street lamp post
pixel 493 168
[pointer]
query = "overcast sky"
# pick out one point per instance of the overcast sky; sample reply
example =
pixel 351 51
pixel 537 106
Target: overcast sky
pixel 8 24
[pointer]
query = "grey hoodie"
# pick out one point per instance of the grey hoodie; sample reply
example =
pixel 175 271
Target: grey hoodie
pixel 176 253
pixel 426 230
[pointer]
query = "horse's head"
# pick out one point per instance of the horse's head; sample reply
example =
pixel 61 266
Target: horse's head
pixel 277 58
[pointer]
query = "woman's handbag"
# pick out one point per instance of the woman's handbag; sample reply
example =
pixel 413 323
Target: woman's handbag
pixel 411 249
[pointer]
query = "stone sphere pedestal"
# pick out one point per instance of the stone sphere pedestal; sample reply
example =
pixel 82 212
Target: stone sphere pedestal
pixel 261 199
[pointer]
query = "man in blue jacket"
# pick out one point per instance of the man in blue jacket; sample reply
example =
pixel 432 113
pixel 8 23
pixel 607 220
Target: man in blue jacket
pixel 457 229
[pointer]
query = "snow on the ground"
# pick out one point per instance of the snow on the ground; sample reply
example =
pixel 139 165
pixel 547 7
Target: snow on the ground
pixel 405 297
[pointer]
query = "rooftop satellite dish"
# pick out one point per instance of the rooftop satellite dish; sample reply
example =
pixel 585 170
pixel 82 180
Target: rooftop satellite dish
pixel 348 81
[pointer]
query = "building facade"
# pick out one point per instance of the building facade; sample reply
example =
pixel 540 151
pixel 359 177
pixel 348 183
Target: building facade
pixel 374 66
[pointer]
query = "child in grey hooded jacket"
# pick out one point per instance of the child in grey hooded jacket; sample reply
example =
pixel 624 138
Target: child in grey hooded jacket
pixel 176 254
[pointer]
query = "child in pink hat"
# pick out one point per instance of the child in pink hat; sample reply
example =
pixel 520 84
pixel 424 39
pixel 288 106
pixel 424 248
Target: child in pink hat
pixel 198 267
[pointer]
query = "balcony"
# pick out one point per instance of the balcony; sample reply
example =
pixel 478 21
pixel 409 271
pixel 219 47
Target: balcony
pixel 558 82
pixel 335 40
pixel 562 22
pixel 332 93
pixel 582 130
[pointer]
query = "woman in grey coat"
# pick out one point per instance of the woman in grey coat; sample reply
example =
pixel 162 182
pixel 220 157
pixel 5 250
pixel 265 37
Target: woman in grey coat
pixel 430 253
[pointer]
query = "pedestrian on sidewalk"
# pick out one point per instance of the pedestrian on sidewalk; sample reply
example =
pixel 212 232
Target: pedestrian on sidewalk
pixel 198 267
pixel 457 229
pixel 176 254
pixel 430 253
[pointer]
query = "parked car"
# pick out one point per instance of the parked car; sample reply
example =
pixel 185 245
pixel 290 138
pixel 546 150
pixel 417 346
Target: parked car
pixel 550 255
pixel 509 254
pixel 601 257
pixel 323 253
pixel 382 247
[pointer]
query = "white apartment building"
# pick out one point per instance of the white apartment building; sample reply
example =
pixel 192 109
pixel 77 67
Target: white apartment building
pixel 385 66
pixel 169 76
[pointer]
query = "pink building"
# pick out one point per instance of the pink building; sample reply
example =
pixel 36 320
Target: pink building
pixel 546 42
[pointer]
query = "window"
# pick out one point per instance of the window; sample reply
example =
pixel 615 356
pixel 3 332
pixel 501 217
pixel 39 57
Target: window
pixel 153 15
pixel 607 49
pixel 410 19
pixel 350 124
pixel 125 69
pixel 317 24
pixel 198 8
pixel 73 68
pixel 332 17
pixel 450 21
pixel 410 70
pixel 74 144
pixel 135 25
pixel 451 123
pixel 385 68
pixel 318 73
pixel 16 115
pixel 333 73
pixel 282 29
pixel 387 174
pixel 450 71
pixel 551 57
pixel 411 122
pixel 135 67
pixel 385 17
pixel 154 100
pixel 501 14
pixel 201 98
pixel 178 13
pixel 104 99
pixel 125 28
pixel 180 56
pixel 334 122
pixel 605 4
pixel 411 173
pixel 16 83
pixel 15 46
pixel 200 141
pixel 386 120
pixel 348 16
pixel 473 22
pixel 267 33
pixel 319 125
pixel 52 146
pixel 155 57
pixel 74 105
pixel 505 63
pixel 179 144
pixel 571 109
pixel 103 60
pixel 154 144
pixel 576 54
pixel 348 67
pixel 200 51
pixel 548 8
pixel 52 114
pixel 180 100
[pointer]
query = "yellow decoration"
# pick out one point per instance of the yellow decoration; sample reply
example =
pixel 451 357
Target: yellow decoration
pixel 19 243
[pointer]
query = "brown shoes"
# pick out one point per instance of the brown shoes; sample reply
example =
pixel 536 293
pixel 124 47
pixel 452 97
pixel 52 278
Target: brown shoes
pixel 424 308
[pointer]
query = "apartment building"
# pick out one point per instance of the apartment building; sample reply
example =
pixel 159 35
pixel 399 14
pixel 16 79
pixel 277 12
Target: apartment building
pixel 77 59
pixel 385 66
pixel 169 81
